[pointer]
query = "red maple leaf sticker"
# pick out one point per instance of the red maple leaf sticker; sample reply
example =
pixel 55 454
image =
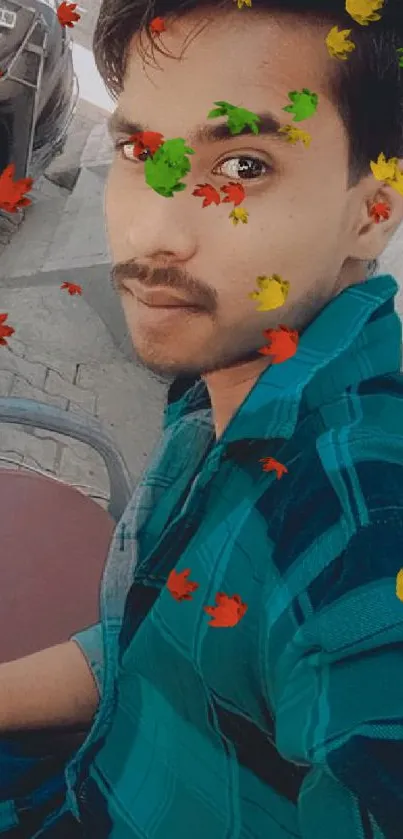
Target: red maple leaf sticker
pixel 12 192
pixel 209 193
pixel 72 288
pixel 157 25
pixel 235 193
pixel 179 586
pixel 67 14
pixel 228 612
pixel 379 211
pixel 5 331
pixel 283 343
pixel 269 464
pixel 146 141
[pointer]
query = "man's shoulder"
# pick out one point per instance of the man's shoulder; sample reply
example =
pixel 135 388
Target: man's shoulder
pixel 344 469
pixel 362 454
pixel 338 534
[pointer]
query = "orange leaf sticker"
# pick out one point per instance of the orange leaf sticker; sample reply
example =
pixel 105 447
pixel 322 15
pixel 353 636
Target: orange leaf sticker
pixel 157 25
pixel 67 14
pixel 209 193
pixel 5 331
pixel 179 586
pixel 12 192
pixel 72 288
pixel 146 141
pixel 234 192
pixel 283 343
pixel 228 612
pixel 270 464
pixel 379 211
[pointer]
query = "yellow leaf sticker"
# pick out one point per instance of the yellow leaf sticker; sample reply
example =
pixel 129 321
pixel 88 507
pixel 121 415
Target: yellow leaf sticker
pixel 364 11
pixel 399 584
pixel 294 134
pixel 239 214
pixel 273 292
pixel 337 44
pixel 384 170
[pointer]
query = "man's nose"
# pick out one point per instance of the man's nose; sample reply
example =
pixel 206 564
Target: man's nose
pixel 163 228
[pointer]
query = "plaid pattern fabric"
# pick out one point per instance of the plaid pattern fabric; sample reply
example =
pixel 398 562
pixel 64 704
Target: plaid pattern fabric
pixel 289 724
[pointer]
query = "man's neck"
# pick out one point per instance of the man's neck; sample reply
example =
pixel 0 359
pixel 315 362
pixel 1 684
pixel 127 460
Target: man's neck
pixel 229 388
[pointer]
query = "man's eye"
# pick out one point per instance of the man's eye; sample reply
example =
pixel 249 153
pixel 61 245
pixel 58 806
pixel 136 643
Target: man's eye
pixel 246 167
pixel 126 150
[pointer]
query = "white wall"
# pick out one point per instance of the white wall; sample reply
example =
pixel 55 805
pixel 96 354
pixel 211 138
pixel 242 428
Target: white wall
pixel 92 88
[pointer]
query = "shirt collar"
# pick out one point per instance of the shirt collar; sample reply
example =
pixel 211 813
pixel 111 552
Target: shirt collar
pixel 345 344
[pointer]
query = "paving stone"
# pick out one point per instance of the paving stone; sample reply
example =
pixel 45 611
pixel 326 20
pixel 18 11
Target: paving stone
pixel 87 116
pixel 5 237
pixel 58 386
pixel 78 464
pixel 16 347
pixel 67 178
pixel 35 374
pixel 10 459
pixel 49 321
pixel 79 409
pixel 39 228
pixel 81 465
pixel 80 238
pixel 51 361
pixel 43 188
pixel 130 405
pixel 26 391
pixel 37 465
pixel 99 150
pixel 41 453
pixel 6 380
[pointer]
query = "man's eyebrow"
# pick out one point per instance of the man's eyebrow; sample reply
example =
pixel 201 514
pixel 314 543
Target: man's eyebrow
pixel 268 125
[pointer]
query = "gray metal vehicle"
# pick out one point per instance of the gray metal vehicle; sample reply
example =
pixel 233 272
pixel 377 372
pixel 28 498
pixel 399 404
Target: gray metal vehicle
pixel 38 86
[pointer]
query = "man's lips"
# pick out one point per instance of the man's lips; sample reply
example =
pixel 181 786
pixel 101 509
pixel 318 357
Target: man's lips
pixel 160 299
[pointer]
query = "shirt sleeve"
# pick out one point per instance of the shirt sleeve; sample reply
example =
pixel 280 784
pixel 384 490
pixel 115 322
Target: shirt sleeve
pixel 90 641
pixel 339 696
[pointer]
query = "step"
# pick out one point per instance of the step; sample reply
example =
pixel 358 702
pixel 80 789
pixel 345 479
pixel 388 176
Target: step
pixel 80 238
pixel 30 243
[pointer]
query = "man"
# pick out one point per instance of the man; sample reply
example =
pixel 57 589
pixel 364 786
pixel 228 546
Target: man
pixel 249 659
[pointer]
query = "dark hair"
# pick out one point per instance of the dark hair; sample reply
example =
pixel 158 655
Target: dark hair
pixel 367 88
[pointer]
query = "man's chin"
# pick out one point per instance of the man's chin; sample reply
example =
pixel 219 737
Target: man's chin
pixel 162 368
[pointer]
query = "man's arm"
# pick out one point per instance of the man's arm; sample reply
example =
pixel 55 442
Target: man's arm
pixel 340 690
pixel 56 687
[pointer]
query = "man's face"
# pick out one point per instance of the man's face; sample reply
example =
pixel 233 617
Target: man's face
pixel 301 215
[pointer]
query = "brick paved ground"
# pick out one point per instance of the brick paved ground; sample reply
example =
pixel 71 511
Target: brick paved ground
pixel 64 356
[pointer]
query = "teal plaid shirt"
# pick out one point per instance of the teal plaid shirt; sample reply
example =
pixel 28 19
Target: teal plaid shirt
pixel 289 724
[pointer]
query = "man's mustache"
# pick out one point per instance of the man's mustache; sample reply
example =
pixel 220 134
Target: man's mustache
pixel 170 277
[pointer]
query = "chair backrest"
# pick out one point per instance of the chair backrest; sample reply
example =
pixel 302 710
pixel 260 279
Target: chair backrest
pixel 84 428
pixel 54 544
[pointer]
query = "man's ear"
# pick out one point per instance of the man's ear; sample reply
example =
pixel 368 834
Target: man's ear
pixel 372 236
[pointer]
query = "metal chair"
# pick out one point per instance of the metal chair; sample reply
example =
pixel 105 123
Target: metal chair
pixel 54 539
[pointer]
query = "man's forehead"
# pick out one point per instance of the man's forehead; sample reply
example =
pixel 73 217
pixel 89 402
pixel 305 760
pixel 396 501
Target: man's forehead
pixel 176 97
